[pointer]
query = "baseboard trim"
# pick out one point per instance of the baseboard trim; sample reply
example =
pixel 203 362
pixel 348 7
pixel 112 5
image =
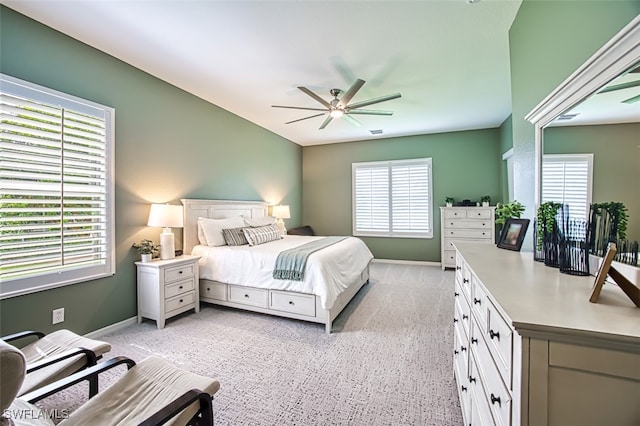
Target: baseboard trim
pixel 408 262
pixel 112 328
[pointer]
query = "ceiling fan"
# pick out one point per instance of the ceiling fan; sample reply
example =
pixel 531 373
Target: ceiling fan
pixel 340 106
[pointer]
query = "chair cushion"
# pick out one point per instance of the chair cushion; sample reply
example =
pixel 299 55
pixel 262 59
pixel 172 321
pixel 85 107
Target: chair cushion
pixel 53 344
pixel 143 390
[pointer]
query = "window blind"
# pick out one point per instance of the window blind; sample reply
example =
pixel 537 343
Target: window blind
pixel 567 179
pixel 55 191
pixel 392 198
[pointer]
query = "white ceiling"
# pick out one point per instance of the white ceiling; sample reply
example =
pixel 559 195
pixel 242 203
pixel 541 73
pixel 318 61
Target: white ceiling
pixel 449 59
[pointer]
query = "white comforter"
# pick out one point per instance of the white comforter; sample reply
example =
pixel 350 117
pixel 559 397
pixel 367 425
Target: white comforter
pixel 327 274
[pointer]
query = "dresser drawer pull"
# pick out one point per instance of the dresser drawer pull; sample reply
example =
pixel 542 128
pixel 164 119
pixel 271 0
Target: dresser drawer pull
pixel 495 399
pixel 246 295
pixel 456 294
pixel 180 287
pixel 465 280
pixel 464 388
pixel 495 334
pixel 477 301
pixel 208 288
pixel 291 302
pixel 458 268
pixel 472 379
pixel 474 340
pixel 180 272
pixel 455 320
pixel 465 316
pixel 455 352
pixel 462 348
pixel 180 300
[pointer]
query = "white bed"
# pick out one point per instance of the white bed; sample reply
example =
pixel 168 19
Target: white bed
pixel 333 275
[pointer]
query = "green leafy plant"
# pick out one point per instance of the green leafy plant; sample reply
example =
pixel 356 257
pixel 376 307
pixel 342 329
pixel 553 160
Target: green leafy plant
pixel 619 217
pixel 546 220
pixel 512 209
pixel 485 199
pixel 147 247
pixel 448 200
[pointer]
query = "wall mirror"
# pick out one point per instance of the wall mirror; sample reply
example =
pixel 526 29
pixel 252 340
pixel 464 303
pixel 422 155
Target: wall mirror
pixel 597 110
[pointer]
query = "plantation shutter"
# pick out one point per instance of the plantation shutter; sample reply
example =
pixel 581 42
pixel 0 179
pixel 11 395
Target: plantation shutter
pixel 567 179
pixel 393 198
pixel 54 207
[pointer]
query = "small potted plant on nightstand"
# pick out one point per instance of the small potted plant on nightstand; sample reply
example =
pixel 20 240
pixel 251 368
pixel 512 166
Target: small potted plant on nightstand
pixel 147 250
pixel 485 199
pixel 448 201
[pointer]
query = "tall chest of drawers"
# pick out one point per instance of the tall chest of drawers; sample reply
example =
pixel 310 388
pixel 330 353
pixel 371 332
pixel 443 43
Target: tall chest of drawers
pixel 464 224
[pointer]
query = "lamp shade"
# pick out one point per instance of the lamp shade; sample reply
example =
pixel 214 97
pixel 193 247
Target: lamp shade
pixel 281 212
pixel 165 216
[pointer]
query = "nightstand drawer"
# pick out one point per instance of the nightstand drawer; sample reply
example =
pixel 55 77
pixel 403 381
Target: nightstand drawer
pixel 302 304
pixel 213 290
pixel 178 288
pixel 248 296
pixel 179 272
pixel 183 301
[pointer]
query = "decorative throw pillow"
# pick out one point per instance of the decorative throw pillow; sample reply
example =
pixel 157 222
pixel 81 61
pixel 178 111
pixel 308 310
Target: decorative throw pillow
pixel 255 222
pixel 261 234
pixel 212 229
pixel 234 236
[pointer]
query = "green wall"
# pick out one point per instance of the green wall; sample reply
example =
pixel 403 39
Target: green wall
pixel 616 162
pixel 548 41
pixel 465 165
pixel 506 143
pixel 169 145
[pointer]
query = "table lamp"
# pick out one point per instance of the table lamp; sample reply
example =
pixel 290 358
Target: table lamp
pixel 281 212
pixel 166 216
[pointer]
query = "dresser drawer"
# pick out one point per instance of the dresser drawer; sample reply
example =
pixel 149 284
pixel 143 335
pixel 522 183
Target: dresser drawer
pixel 480 411
pixel 179 288
pixel 213 290
pixel 467 224
pixel 499 337
pixel 479 234
pixel 303 304
pixel 461 348
pixel 249 296
pixel 461 373
pixel 497 393
pixel 479 303
pixel 183 301
pixel 179 272
pixel 449 257
pixel 455 214
pixel 462 309
pixel 479 214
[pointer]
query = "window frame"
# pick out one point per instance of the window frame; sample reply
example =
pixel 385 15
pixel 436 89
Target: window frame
pixel 63 276
pixel 389 165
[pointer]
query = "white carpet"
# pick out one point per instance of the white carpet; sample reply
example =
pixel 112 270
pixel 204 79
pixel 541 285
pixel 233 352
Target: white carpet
pixel 388 361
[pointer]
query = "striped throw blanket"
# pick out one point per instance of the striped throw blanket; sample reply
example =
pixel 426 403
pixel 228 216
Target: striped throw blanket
pixel 290 263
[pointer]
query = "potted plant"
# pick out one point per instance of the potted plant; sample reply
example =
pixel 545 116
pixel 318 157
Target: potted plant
pixel 147 249
pixel 485 199
pixel 547 232
pixel 448 201
pixel 512 209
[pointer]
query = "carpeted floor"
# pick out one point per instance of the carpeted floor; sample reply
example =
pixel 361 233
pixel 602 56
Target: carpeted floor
pixel 388 361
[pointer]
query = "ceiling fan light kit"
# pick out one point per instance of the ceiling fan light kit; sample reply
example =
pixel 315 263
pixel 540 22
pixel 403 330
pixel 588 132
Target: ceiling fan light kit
pixel 340 107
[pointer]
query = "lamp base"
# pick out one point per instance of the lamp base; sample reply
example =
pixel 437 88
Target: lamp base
pixel 167 245
pixel 281 227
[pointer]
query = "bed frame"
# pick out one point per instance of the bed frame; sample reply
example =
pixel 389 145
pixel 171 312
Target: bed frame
pixel 301 306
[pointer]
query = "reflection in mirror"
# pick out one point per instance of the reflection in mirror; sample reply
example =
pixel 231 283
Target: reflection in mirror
pixel 591 153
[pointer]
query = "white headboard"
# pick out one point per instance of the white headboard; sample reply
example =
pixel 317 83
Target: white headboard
pixel 215 209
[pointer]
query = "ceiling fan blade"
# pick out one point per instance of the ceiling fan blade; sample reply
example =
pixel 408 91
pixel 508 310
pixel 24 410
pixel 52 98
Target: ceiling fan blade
pixel 350 93
pixel 620 86
pixel 314 96
pixel 294 107
pixel 373 101
pixel 370 112
pixel 305 118
pixel 351 120
pixel 325 122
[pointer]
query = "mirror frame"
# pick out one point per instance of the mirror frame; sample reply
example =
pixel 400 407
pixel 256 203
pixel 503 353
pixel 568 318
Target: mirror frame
pixel 611 60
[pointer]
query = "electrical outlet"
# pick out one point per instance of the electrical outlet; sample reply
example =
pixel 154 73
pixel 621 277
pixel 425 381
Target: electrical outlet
pixel 58 316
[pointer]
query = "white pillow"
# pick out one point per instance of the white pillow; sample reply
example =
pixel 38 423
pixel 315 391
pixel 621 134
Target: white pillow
pixel 212 229
pixel 201 238
pixel 259 221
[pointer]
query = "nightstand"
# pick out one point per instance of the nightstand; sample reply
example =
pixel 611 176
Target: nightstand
pixel 167 288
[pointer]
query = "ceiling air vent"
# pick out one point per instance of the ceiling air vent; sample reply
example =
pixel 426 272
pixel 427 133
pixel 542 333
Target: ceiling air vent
pixel 565 117
pixel 376 132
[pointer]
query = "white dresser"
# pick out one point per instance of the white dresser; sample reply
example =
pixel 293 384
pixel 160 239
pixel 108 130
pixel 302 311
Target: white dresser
pixel 530 349
pixel 464 224
pixel 167 288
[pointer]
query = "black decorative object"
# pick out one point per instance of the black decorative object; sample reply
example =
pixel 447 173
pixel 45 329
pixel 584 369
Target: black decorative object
pixel 538 252
pixel 547 235
pixel 573 253
pixel 608 223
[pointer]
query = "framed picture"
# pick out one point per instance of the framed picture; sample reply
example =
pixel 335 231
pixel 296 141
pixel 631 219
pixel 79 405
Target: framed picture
pixel 513 233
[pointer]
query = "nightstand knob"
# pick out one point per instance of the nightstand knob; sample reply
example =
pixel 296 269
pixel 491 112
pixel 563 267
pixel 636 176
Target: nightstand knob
pixel 208 289
pixel 180 300
pixel 180 272
pixel 180 287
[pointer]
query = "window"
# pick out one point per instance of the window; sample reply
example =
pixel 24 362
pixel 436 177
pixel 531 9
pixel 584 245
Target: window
pixel 393 199
pixel 56 189
pixel 566 179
